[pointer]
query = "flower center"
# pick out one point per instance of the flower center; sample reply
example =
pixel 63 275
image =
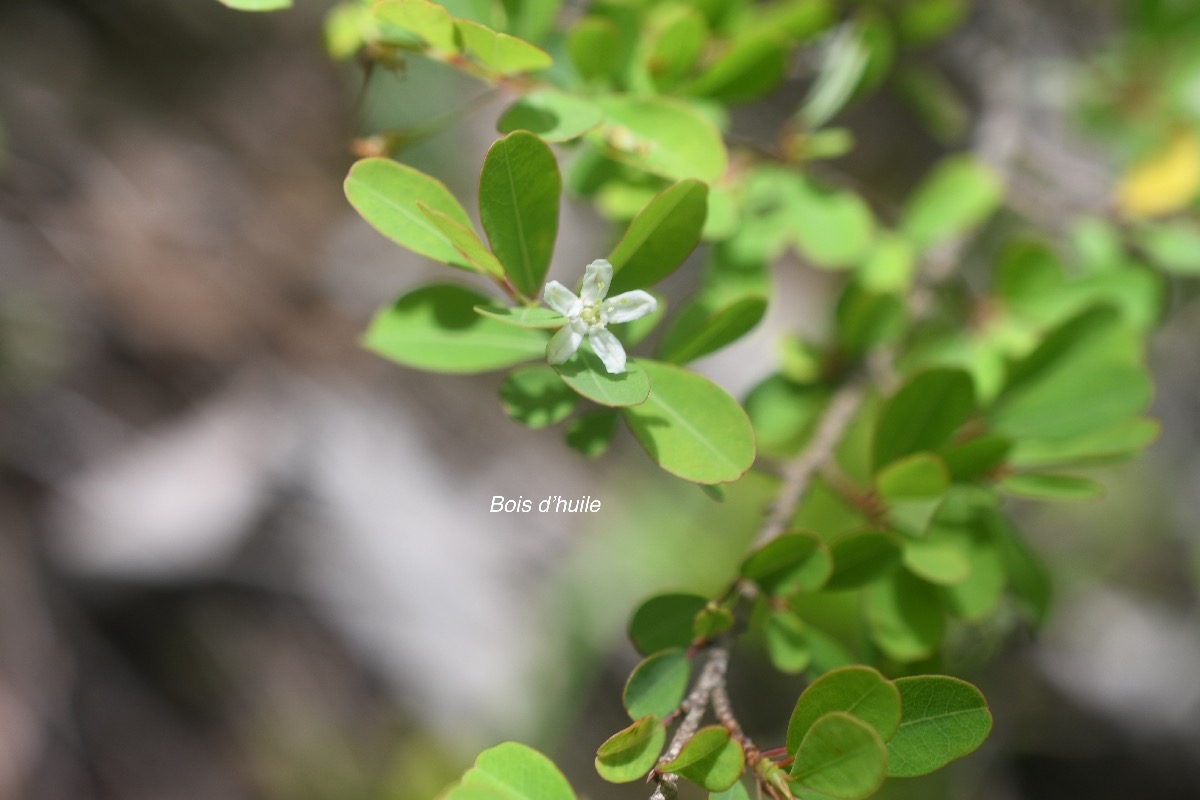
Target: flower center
pixel 592 315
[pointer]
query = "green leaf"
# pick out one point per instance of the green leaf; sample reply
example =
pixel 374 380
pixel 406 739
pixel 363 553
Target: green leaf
pixel 783 414
pixel 789 563
pixel 840 756
pixel 787 644
pixel 833 228
pixel 660 237
pixel 589 434
pixel 512 771
pixel 735 792
pixel 519 189
pixel 1027 576
pixel 658 684
pixel 867 319
pixel 500 53
pixel 845 60
pixel 1112 443
pixel 713 619
pixel 257 5
pixel 1081 398
pixel 750 66
pixel 1172 244
pixel 387 195
pixel 464 240
pixel 523 316
pixel 976 597
pixel 676 36
pixel 702 327
pixel 662 135
pixel 630 754
pixel 862 558
pixel 690 427
pixel 435 328
pixel 977 458
pixel 536 397
pixel 429 21
pixel 584 372
pixel 856 690
pixel 912 489
pixel 591 44
pixel 1047 486
pixel 944 719
pixel 905 617
pixel 553 115
pixel 923 414
pixel 960 193
pixel 941 557
pixel 664 621
pixel 710 759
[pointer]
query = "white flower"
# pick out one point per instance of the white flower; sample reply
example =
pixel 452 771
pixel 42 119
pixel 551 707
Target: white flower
pixel 590 313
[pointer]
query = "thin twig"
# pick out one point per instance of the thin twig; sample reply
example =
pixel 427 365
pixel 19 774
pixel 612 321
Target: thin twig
pixel 712 677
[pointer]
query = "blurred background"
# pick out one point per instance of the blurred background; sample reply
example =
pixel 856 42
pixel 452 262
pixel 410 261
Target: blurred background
pixel 240 557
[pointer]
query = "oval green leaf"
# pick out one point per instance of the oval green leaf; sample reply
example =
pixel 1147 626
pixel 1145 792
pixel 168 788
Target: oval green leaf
pixel 589 434
pixel 536 397
pixel 905 616
pixel 662 135
pixel 584 372
pixel 841 756
pixel 436 328
pixel 923 414
pixel 859 691
pixel 523 316
pixel 1048 486
pixel 943 719
pixel 862 558
pixel 787 642
pixel 960 193
pixel 789 563
pixel 658 684
pixel 553 115
pixel 513 771
pixel 519 189
pixel 429 21
pixel 702 327
pixel 710 759
pixel 630 754
pixel 664 621
pixel 660 237
pixel 690 427
pixel 499 53
pixel 464 240
pixel 912 488
pixel 387 195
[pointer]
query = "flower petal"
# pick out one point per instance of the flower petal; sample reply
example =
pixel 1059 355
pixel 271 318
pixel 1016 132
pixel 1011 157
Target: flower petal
pixel 596 278
pixel 609 349
pixel 563 344
pixel 629 305
pixel 561 299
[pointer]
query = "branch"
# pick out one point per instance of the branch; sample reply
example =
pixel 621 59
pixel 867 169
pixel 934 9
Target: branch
pixel 712 678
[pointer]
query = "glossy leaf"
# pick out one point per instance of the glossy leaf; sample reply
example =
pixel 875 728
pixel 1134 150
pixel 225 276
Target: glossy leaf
pixel 387 195
pixel 523 316
pixel 789 563
pixel 787 644
pixel 536 397
pixel 841 756
pixel 664 136
pixel 923 414
pixel 960 193
pixel 590 434
pixel 912 488
pixel 862 558
pixel 857 690
pixel 500 53
pixel 584 372
pixel 512 771
pixel 943 719
pixel 553 115
pixel 664 621
pixel 657 685
pixel 436 328
pixel 660 237
pixel 629 755
pixel 463 239
pixel 429 21
pixel 710 759
pixel 701 327
pixel 905 617
pixel 690 427
pixel 519 190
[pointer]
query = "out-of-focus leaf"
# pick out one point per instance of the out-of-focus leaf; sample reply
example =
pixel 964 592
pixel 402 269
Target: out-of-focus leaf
pixel 1166 181
pixel 553 115
pixel 960 193
pixel 536 397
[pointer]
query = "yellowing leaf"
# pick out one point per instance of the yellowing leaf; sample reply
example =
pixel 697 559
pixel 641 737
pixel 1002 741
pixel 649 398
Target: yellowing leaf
pixel 1165 182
